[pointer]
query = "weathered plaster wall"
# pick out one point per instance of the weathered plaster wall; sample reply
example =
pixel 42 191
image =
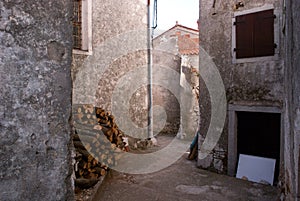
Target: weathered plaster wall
pixel 292 101
pixel 190 72
pixel 138 102
pixel 113 17
pixel 163 96
pixel 111 21
pixel 173 33
pixel 35 87
pixel 273 83
pixel 247 84
pixel 166 53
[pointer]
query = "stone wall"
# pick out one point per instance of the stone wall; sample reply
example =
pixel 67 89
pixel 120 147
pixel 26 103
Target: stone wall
pixel 269 83
pixel 109 20
pixel 167 53
pixel 292 102
pixel 247 84
pixel 35 43
pixel 165 97
pixel 113 22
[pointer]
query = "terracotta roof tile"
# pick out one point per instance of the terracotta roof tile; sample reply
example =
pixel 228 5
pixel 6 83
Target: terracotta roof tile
pixel 187 45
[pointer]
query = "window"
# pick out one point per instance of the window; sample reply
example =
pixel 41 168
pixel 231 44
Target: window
pixel 254 35
pixel 82 30
pixel 77 26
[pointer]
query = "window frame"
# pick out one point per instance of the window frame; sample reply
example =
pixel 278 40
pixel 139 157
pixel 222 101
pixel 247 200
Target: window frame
pixel 77 23
pixel 86 28
pixel 276 35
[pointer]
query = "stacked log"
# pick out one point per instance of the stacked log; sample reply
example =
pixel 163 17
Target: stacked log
pixel 87 169
pixel 110 128
pixel 93 153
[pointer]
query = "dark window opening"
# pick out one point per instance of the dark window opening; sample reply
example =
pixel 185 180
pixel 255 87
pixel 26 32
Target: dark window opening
pixel 258 134
pixel 77 24
pixel 255 34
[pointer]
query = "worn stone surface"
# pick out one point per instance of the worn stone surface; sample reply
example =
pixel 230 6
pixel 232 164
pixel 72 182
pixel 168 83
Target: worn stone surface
pixel 137 105
pixel 35 43
pixel 112 22
pixel 181 181
pixel 166 97
pixel 111 18
pixel 168 52
pixel 292 101
pixel 251 83
pixel 268 83
pixel 190 72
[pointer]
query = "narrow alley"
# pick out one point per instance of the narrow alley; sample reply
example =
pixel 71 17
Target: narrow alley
pixel 182 181
pixel 88 88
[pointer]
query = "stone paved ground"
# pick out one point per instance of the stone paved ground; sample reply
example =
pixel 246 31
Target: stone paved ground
pixel 182 181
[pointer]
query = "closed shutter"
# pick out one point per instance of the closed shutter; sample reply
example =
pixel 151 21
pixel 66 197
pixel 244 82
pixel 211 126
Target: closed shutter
pixel 255 34
pixel 264 34
pixel 244 36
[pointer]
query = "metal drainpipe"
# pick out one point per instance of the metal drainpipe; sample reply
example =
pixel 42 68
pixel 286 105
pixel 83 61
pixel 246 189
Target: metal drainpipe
pixel 199 70
pixel 149 52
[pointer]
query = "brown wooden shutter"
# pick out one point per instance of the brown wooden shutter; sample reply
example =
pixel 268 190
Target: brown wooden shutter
pixel 244 36
pixel 255 34
pixel 264 34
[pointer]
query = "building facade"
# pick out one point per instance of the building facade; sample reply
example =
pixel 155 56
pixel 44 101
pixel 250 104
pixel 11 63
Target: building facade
pixel 181 45
pixel 248 43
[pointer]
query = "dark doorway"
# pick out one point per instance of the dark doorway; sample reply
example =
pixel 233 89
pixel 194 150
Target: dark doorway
pixel 258 134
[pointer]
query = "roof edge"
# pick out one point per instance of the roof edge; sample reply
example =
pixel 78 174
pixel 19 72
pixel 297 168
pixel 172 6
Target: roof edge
pixel 177 25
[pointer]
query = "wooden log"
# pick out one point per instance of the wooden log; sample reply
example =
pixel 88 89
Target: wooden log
pixel 84 153
pixel 103 172
pixel 89 169
pixel 104 123
pixel 100 171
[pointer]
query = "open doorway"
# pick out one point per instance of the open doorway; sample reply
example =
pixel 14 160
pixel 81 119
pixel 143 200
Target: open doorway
pixel 254 131
pixel 258 134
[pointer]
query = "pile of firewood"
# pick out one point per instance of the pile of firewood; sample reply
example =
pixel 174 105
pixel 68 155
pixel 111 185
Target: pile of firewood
pixel 87 169
pixel 110 128
pixel 93 154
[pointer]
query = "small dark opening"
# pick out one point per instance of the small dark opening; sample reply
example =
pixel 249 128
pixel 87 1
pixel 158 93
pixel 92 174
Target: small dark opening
pixel 258 134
